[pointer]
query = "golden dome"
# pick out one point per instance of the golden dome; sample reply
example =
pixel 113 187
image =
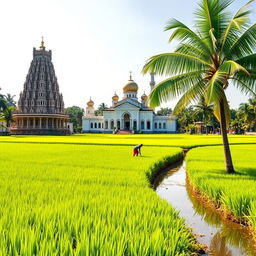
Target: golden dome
pixel 90 103
pixel 115 97
pixel 131 86
pixel 144 97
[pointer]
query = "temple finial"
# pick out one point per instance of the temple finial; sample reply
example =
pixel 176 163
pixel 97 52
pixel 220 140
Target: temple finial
pixel 42 44
pixel 130 75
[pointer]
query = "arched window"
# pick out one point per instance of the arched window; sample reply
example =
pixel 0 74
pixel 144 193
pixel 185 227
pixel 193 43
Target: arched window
pixel 134 125
pixel 91 125
pixel 118 124
pixel 164 125
pixel 142 125
pixel 155 125
pixel 148 125
pixel 112 124
pixel 160 126
pixel 99 125
pixel 95 125
pixel 106 124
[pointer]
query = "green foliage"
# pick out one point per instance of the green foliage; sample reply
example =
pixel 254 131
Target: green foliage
pixel 85 200
pixel 101 107
pixel 3 104
pixel 164 111
pixel 10 100
pixel 237 192
pixel 75 114
pixel 245 117
pixel 7 107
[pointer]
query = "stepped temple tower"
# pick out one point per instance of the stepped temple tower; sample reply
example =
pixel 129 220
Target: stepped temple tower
pixel 40 106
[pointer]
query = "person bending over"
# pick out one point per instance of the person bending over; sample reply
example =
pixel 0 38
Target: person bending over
pixel 137 150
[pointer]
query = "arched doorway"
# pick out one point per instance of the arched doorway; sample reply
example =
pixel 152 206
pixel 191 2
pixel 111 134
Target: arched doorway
pixel 127 125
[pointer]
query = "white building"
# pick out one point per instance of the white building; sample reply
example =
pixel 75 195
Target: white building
pixel 128 114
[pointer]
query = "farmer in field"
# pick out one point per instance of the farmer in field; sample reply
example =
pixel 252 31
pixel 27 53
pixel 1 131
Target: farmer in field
pixel 137 150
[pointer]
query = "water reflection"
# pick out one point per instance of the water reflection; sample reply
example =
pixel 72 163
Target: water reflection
pixel 218 246
pixel 223 238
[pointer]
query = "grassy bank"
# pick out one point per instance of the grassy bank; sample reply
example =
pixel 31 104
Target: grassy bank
pixel 235 193
pixel 85 200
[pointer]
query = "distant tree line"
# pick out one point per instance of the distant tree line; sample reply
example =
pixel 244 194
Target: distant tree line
pixel 243 119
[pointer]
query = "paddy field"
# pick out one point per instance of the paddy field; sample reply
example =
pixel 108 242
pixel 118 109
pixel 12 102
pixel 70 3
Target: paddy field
pixel 87 194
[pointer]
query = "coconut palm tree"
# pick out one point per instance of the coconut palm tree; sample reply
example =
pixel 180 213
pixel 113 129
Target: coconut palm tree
pixel 221 49
pixel 10 100
pixel 245 113
pixel 7 116
pixel 204 111
pixel 3 104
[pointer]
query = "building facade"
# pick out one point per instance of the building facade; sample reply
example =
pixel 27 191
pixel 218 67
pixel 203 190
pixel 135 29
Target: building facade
pixel 40 107
pixel 128 114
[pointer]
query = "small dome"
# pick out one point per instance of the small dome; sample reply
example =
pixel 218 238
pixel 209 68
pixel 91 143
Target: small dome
pixel 144 97
pixel 90 103
pixel 115 97
pixel 131 86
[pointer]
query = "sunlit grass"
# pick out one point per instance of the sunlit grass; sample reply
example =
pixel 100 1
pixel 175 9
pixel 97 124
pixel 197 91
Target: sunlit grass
pixel 236 192
pixel 85 200
pixel 176 140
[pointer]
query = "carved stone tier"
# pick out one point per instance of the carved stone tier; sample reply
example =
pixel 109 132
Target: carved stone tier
pixel 40 107
pixel 43 124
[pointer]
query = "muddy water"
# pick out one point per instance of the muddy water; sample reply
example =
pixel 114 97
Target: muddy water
pixel 223 238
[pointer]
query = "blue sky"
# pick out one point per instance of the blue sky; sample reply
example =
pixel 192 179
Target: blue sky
pixel 95 43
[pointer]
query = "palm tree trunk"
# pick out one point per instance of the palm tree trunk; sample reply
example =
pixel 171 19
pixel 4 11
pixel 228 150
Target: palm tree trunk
pixel 228 158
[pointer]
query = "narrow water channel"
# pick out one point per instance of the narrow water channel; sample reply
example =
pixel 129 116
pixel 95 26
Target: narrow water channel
pixel 223 238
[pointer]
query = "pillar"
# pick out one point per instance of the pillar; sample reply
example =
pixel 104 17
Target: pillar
pixel 46 123
pixel 27 122
pixel 40 123
pixel 34 123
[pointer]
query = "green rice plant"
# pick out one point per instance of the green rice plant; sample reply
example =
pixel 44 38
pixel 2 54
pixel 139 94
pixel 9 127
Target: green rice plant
pixel 172 140
pixel 236 192
pixel 62 199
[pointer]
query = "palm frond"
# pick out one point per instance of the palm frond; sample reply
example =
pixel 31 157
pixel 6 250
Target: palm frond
pixel 235 26
pixel 231 67
pixel 214 89
pixel 244 45
pixel 193 50
pixel 173 63
pixel 173 87
pixel 185 34
pixel 245 84
pixel 211 16
pixel 193 94
pixel 249 62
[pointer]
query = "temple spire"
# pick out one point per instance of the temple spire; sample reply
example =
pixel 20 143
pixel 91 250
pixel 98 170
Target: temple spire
pixel 42 46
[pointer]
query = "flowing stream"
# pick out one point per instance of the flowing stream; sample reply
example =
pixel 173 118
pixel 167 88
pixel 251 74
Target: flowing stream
pixel 222 238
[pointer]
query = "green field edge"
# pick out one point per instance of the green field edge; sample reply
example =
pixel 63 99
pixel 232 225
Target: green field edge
pixel 117 144
pixel 243 221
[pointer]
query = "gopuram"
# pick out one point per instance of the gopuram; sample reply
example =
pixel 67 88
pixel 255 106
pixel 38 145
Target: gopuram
pixel 40 108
